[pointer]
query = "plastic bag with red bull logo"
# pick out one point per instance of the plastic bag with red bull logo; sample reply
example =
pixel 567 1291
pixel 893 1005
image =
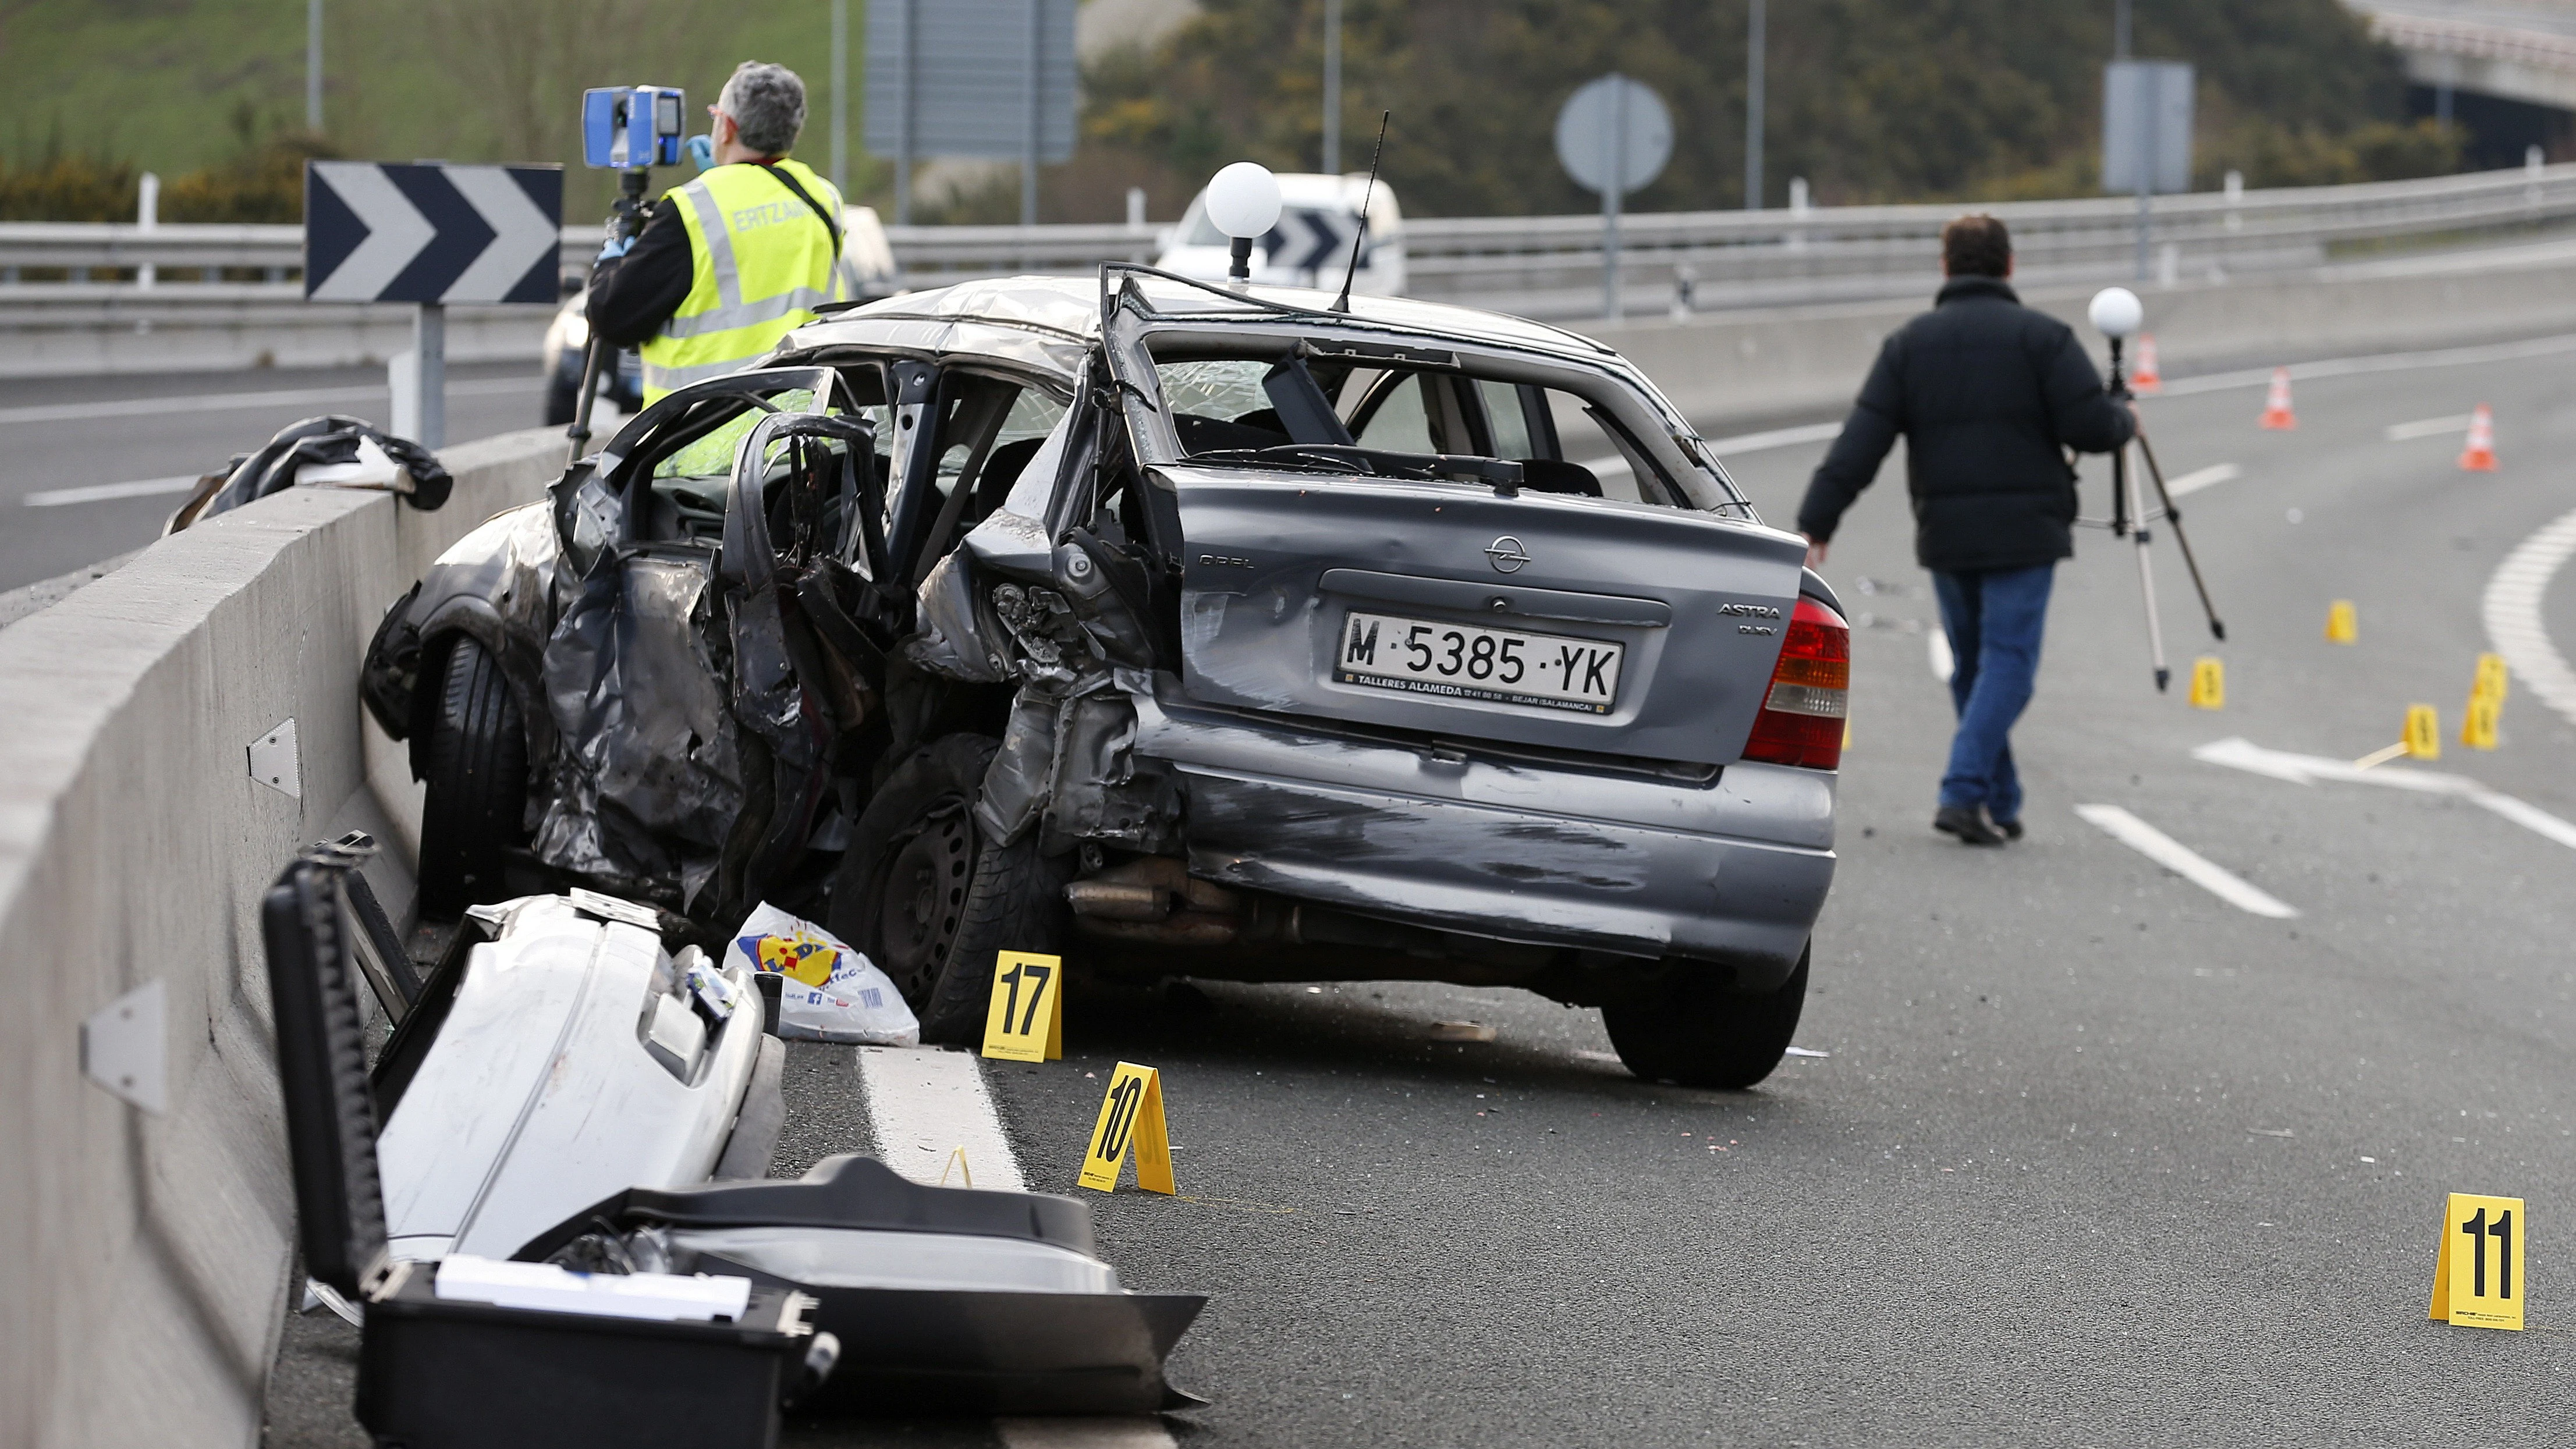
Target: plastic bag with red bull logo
pixel 826 991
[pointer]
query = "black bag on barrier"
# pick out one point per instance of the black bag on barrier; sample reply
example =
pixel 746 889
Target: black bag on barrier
pixel 460 1358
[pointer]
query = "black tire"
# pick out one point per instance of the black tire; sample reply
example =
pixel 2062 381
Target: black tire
pixel 930 901
pixel 1694 1030
pixel 475 756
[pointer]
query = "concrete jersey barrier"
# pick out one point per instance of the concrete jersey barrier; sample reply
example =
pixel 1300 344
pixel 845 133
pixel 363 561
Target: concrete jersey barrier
pixel 147 1278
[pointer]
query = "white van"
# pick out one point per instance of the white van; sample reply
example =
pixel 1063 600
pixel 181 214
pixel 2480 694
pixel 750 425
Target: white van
pixel 1318 218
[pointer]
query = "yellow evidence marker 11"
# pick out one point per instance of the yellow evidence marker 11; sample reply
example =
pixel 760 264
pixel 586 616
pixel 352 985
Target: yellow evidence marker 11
pixel 2208 683
pixel 2341 625
pixel 2478 723
pixel 1025 1022
pixel 2477 1275
pixel 1131 1114
pixel 2423 732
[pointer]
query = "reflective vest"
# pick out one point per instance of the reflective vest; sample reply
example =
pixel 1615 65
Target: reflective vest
pixel 762 261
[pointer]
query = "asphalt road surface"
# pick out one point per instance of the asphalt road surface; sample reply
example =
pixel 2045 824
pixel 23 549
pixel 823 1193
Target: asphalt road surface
pixel 90 467
pixel 2079 1152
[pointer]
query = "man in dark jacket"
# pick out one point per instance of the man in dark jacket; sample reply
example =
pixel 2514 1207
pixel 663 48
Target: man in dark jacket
pixel 1988 394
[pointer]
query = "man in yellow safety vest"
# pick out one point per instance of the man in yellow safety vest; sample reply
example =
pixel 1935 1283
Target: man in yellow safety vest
pixel 730 262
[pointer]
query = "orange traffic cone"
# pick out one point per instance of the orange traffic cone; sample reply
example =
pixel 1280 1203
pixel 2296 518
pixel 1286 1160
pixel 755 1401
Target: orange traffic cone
pixel 2276 408
pixel 2146 378
pixel 2479 455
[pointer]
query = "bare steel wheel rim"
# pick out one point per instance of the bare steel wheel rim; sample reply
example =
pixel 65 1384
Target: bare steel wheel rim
pixel 923 899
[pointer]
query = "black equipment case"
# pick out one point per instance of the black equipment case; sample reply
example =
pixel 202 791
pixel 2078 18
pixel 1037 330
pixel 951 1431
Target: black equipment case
pixel 435 1373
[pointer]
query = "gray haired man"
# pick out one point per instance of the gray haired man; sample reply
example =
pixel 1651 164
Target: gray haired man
pixel 733 261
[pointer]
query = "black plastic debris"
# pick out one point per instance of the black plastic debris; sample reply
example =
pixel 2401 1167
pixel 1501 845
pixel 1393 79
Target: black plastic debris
pixel 329 440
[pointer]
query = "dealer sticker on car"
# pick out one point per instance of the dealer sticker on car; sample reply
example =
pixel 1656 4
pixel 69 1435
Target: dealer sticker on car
pixel 1465 661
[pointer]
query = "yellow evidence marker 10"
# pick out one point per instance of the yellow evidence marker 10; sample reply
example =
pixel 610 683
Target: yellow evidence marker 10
pixel 1025 1022
pixel 2423 732
pixel 2208 683
pixel 1131 1114
pixel 2341 625
pixel 2477 1275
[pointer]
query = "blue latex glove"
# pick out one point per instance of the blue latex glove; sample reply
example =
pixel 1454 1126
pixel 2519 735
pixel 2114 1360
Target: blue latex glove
pixel 702 152
pixel 615 246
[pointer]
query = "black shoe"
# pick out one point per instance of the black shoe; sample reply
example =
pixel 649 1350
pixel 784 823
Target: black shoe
pixel 2010 828
pixel 1968 822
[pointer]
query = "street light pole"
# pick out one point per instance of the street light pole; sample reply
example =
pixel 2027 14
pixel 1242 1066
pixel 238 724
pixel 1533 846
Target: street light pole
pixel 313 66
pixel 1332 87
pixel 841 96
pixel 1754 46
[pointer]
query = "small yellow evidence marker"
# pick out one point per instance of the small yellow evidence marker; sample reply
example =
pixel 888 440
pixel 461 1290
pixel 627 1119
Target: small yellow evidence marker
pixel 2208 683
pixel 2423 732
pixel 1025 1020
pixel 2491 679
pixel 1131 1113
pixel 2471 1288
pixel 2342 627
pixel 2478 723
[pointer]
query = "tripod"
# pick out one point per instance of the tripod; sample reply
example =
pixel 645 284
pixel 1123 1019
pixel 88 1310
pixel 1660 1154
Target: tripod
pixel 627 220
pixel 2130 517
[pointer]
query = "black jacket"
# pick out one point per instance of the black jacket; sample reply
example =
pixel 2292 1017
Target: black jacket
pixel 632 296
pixel 1987 392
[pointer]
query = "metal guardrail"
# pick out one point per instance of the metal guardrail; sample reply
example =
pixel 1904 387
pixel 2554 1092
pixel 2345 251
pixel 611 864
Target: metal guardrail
pixel 1729 256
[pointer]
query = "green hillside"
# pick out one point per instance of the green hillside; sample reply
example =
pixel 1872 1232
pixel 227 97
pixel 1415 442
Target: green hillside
pixel 174 86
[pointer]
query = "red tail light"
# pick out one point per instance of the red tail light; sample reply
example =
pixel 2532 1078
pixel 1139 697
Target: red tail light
pixel 1801 722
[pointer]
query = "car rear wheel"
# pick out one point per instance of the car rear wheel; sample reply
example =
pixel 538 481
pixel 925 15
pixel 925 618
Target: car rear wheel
pixel 1694 1029
pixel 475 754
pixel 930 901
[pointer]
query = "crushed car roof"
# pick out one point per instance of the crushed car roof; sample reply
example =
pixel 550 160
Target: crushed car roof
pixel 1045 322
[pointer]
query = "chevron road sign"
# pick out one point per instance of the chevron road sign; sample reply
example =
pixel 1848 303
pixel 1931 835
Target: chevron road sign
pixel 1309 241
pixel 431 233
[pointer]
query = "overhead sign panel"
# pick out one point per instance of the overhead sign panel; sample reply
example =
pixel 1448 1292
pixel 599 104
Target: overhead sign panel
pixel 955 78
pixel 431 233
pixel 2146 126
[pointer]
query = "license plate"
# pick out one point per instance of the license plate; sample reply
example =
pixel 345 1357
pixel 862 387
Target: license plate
pixel 1470 662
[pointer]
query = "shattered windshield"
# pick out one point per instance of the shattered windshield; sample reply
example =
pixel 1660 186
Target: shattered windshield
pixel 1328 407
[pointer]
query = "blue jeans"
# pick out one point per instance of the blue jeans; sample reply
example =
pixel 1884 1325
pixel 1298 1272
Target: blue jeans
pixel 1994 618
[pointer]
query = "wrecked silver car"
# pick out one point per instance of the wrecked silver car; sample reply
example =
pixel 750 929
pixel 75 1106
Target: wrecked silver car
pixel 1186 629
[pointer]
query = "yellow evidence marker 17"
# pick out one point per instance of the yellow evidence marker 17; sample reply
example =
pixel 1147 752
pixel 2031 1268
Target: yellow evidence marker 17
pixel 1131 1114
pixel 2341 625
pixel 1025 1022
pixel 2208 683
pixel 2477 1275
pixel 2423 732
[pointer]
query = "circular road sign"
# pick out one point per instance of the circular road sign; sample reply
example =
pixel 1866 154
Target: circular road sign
pixel 1614 126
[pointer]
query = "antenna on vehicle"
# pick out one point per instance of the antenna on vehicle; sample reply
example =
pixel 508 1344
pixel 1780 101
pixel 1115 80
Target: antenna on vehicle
pixel 1342 303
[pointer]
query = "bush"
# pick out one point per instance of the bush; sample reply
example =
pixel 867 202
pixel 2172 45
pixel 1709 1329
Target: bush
pixel 265 183
pixel 62 187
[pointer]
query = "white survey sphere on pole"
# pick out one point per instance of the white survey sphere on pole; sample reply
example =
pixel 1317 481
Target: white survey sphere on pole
pixel 2116 312
pixel 1243 200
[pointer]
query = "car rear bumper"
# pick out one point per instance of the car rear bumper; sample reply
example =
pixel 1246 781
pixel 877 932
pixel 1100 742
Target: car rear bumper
pixel 1733 871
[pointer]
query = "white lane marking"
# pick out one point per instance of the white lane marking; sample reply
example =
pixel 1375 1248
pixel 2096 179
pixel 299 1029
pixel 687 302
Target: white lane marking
pixel 223 402
pixel 101 492
pixel 1776 438
pixel 2426 428
pixel 2173 855
pixel 2512 612
pixel 1139 1432
pixel 2199 478
pixel 924 1104
pixel 2377 362
pixel 2239 753
pixel 1936 643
